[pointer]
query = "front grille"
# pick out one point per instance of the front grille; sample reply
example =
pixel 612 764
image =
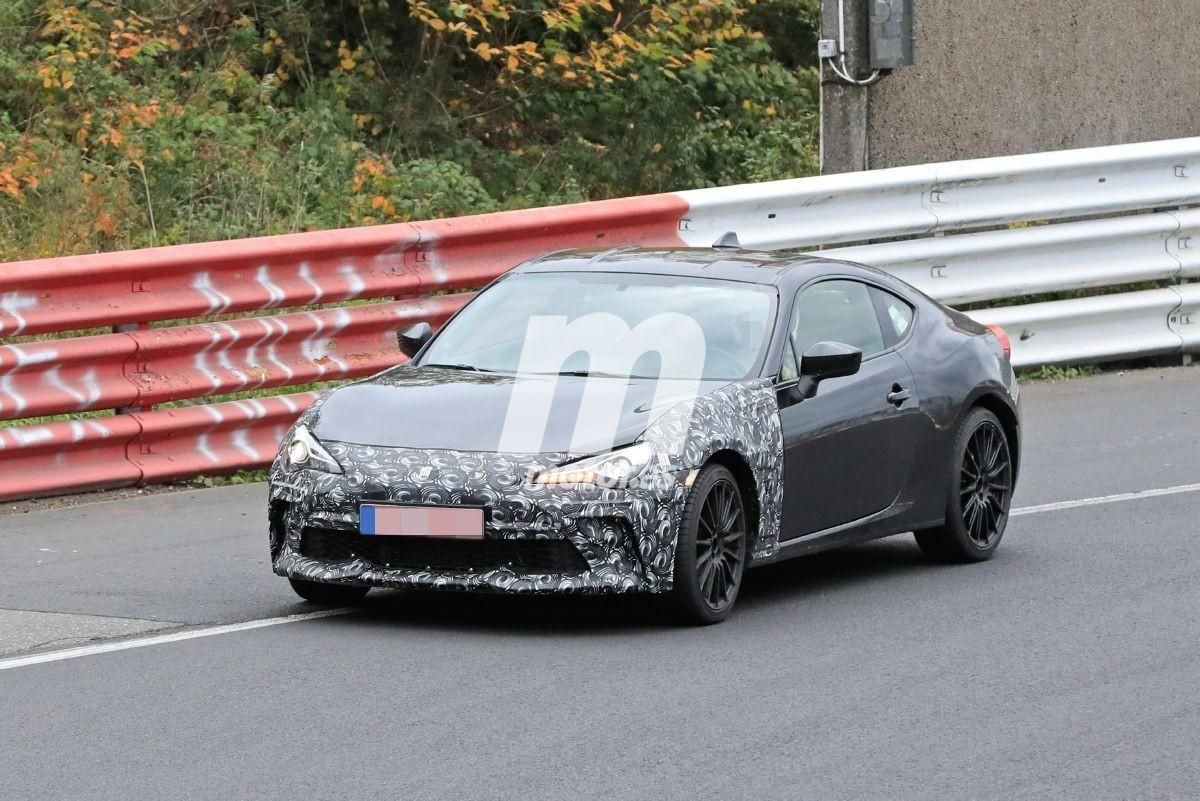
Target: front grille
pixel 426 553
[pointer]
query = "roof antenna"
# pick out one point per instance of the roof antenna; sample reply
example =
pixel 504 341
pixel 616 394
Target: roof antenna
pixel 728 241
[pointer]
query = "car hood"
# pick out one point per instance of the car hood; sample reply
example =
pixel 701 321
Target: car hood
pixel 431 408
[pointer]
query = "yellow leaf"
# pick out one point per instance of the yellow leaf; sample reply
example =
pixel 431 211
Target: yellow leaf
pixel 183 30
pixel 105 224
pixel 513 63
pixel 378 202
pixel 348 64
pixel 436 24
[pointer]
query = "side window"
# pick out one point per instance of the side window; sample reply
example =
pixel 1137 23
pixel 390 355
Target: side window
pixel 836 311
pixel 896 314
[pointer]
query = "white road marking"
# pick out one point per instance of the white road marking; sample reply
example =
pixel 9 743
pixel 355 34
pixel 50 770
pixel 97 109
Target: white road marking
pixel 1121 496
pixel 160 639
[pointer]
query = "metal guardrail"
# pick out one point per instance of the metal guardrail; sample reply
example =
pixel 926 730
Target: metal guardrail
pixel 951 196
pixel 993 265
pixel 1140 230
pixel 1101 328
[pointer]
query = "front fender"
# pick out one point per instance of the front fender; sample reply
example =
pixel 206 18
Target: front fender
pixel 743 418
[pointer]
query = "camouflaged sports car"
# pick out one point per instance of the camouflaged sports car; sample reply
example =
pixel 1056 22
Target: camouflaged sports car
pixel 652 421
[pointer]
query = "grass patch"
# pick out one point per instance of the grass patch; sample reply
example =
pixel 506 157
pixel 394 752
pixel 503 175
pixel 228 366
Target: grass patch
pixel 1052 372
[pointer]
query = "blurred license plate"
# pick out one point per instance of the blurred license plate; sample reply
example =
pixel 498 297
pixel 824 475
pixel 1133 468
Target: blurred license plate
pixel 453 522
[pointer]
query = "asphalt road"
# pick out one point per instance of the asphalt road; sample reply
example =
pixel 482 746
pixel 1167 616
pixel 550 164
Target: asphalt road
pixel 1066 668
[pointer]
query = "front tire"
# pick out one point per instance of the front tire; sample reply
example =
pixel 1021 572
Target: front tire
pixel 328 594
pixel 979 496
pixel 710 555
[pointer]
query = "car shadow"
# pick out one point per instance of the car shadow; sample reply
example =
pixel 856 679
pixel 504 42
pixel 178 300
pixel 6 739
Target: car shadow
pixel 828 571
pixel 765 588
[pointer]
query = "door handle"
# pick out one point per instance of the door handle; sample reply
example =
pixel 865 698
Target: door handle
pixel 898 395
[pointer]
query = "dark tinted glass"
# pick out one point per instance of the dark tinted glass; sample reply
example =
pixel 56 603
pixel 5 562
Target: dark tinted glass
pixel 836 311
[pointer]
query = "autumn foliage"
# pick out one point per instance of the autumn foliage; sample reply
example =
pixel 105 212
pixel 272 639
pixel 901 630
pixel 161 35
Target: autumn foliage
pixel 124 124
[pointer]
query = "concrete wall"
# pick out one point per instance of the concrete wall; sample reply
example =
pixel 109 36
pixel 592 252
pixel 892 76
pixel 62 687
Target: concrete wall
pixel 998 77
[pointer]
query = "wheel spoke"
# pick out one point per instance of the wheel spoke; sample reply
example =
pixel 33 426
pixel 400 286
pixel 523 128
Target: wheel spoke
pixel 727 509
pixel 973 469
pixel 993 447
pixel 718 586
pixel 989 524
pixel 984 440
pixel 707 577
pixel 726 569
pixel 972 516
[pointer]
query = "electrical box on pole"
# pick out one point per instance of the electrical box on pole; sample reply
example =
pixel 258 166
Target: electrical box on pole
pixel 890 32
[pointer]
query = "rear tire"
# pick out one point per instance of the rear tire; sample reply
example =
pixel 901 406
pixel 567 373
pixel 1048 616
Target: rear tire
pixel 979 495
pixel 712 550
pixel 328 594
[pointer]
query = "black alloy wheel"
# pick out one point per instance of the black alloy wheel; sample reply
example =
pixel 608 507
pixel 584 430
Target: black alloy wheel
pixel 980 493
pixel 711 555
pixel 985 484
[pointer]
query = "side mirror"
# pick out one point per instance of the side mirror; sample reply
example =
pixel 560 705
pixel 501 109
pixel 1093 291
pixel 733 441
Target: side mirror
pixel 826 360
pixel 413 338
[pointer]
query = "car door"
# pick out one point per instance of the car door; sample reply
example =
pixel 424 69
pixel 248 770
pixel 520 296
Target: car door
pixel 849 448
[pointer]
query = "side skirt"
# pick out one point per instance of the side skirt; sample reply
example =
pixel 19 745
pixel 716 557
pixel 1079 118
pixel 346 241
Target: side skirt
pixel 872 527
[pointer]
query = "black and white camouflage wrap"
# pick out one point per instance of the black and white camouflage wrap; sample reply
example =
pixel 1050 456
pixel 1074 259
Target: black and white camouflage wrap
pixel 626 535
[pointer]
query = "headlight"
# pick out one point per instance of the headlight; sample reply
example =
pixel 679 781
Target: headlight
pixel 616 469
pixel 303 451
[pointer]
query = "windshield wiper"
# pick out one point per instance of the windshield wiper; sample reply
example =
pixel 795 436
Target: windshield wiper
pixel 589 373
pixel 470 367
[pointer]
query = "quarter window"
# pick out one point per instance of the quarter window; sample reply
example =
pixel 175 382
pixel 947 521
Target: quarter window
pixel 836 311
pixel 790 370
pixel 897 314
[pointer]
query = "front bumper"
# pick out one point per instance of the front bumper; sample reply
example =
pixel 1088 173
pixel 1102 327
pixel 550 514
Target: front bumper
pixel 537 539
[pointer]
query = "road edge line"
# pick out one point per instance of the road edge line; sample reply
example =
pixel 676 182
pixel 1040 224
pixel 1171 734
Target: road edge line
pixel 1178 489
pixel 160 639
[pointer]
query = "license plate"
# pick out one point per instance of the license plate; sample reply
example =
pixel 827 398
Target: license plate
pixel 449 522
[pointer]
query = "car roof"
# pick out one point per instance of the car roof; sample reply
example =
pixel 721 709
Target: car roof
pixel 731 264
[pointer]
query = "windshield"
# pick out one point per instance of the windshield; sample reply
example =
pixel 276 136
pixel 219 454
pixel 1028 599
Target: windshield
pixel 619 324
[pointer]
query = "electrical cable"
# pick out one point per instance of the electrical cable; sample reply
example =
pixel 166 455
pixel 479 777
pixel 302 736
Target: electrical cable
pixel 843 73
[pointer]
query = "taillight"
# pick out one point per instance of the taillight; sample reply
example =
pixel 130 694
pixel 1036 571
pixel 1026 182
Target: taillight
pixel 1003 337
